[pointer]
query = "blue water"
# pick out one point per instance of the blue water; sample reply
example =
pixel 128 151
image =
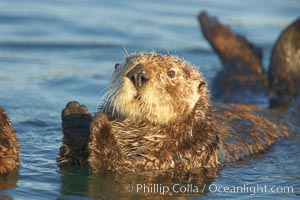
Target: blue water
pixel 55 51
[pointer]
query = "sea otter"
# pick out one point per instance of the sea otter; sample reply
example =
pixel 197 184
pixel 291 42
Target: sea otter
pixel 158 116
pixel 9 146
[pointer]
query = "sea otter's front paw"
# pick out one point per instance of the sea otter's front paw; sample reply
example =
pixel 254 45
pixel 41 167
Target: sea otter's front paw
pixel 101 129
pixel 104 148
pixel 75 116
pixel 75 124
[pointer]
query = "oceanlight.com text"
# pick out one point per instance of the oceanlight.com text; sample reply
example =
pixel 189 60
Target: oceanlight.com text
pixel 246 188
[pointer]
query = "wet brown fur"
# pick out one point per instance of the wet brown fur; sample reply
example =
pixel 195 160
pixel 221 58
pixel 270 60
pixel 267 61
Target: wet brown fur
pixel 9 146
pixel 131 136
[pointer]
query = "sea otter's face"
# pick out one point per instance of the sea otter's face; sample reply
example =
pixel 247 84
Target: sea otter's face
pixel 154 88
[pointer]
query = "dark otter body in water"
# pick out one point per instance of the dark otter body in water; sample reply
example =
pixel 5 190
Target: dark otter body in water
pixel 284 72
pixel 9 146
pixel 242 74
pixel 158 115
pixel 242 77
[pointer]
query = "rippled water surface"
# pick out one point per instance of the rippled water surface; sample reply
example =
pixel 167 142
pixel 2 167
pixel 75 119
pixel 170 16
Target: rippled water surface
pixel 55 51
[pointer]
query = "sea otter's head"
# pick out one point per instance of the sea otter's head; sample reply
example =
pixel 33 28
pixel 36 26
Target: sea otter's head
pixel 155 88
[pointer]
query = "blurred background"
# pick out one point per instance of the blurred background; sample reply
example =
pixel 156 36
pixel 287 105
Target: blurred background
pixel 55 51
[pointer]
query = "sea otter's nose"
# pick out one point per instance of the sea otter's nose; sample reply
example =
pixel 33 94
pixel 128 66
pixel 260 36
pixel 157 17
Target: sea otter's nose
pixel 138 76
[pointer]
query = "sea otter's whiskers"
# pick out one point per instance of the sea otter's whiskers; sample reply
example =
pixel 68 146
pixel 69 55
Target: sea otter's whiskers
pixel 114 101
pixel 111 99
pixel 125 50
pixel 107 103
pixel 101 102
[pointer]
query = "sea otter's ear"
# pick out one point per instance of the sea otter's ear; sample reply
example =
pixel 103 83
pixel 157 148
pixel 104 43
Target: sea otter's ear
pixel 201 85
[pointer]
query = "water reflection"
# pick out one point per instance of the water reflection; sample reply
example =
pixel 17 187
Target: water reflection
pixel 79 182
pixel 7 182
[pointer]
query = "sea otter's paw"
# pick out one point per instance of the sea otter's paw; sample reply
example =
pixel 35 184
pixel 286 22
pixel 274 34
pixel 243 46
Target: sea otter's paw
pixel 75 124
pixel 104 148
pixel 100 128
pixel 75 116
pixel 74 107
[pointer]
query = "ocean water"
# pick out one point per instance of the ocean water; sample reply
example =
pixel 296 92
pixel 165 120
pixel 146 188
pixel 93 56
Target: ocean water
pixel 52 52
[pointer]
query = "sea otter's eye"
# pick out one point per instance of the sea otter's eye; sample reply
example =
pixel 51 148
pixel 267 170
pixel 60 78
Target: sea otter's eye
pixel 117 65
pixel 171 73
